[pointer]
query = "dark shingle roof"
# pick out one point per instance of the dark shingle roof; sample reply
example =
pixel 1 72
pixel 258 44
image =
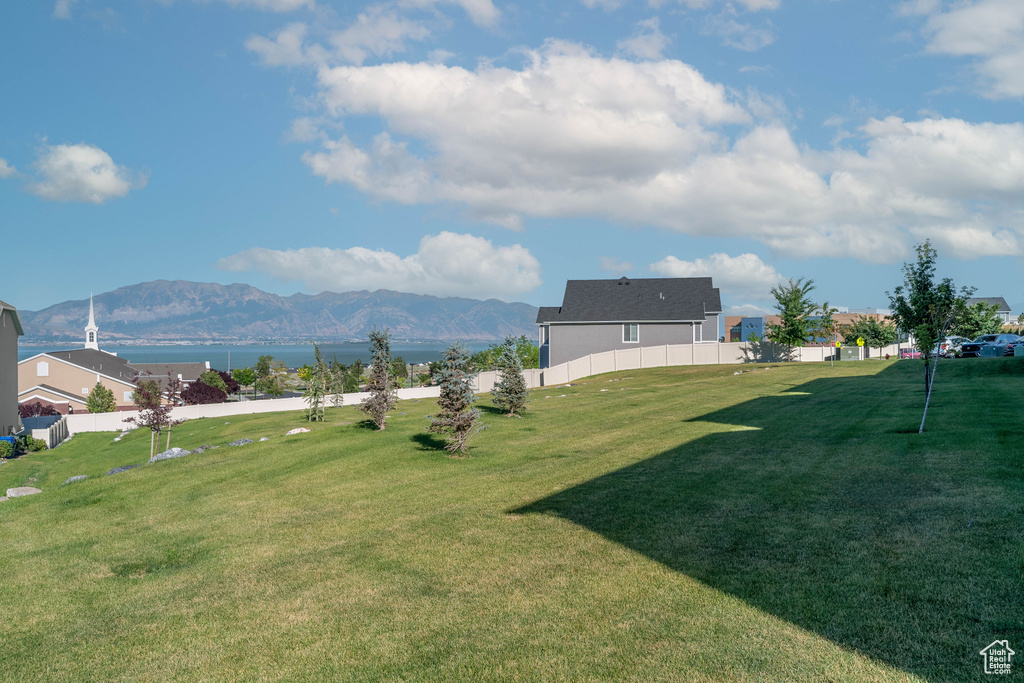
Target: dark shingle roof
pixel 645 299
pixel 98 361
pixel 189 371
pixel 992 301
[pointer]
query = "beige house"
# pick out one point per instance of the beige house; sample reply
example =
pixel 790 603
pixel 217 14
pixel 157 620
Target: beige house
pixel 10 330
pixel 65 378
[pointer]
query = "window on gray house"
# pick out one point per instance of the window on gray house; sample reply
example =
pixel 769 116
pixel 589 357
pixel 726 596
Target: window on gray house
pixel 630 333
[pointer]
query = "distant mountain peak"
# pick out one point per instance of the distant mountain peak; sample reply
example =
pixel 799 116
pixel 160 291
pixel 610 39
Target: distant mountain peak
pixel 203 311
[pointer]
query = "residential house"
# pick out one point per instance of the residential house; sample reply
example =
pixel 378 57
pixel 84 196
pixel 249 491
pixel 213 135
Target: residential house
pixel 604 315
pixel 1002 308
pixel 10 330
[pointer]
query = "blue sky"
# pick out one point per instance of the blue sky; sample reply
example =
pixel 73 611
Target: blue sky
pixel 486 148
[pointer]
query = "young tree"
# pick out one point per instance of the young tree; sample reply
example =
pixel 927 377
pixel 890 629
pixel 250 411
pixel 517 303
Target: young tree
pixel 977 319
pixel 510 392
pixel 317 386
pixel 173 396
pixel 926 308
pixel 875 333
pixel 153 412
pixel 399 369
pixel 246 377
pixel 100 400
pixel 456 419
pixel 795 308
pixel 265 377
pixel 354 376
pixel 381 386
pixel 923 307
pixel 212 378
pixel 337 382
pixel 826 327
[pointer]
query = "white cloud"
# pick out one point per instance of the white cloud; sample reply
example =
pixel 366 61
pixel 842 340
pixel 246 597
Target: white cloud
pixel 572 134
pixel 272 5
pixel 482 12
pixel 6 170
pixel 745 276
pixel 378 31
pixel 990 31
pixel 81 173
pixel 739 34
pixel 62 9
pixel 613 265
pixel 286 49
pixel 447 264
pixel 749 5
pixel 647 41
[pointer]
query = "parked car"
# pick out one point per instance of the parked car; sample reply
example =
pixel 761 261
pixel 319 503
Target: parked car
pixel 1012 345
pixel 906 354
pixel 990 345
pixel 950 346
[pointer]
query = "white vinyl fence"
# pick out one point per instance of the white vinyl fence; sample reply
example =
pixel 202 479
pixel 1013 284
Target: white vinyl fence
pixel 594 364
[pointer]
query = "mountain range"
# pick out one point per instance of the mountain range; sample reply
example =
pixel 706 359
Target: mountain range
pixel 179 310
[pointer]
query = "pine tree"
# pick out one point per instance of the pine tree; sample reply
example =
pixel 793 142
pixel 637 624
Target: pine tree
pixel 510 391
pixel 100 400
pixel 317 387
pixel 456 419
pixel 381 386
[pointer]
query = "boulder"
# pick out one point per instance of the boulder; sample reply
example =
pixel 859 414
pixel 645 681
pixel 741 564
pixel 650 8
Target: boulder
pixel 20 491
pixel 297 430
pixel 170 454
pixel 80 477
pixel 122 468
pixel 240 442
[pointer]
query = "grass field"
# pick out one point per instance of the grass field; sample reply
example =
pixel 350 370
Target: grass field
pixel 679 524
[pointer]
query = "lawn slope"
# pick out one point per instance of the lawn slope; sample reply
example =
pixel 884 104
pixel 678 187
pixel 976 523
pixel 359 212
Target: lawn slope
pixel 670 524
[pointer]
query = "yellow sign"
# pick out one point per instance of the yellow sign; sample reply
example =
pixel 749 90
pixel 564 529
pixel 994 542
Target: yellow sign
pixel 860 341
pixel 839 345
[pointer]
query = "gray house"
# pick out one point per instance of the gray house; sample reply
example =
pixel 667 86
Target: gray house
pixel 603 315
pixel 1003 308
pixel 10 330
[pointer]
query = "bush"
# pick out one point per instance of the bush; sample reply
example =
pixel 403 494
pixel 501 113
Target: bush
pixel 36 409
pixel 33 445
pixel 6 449
pixel 202 394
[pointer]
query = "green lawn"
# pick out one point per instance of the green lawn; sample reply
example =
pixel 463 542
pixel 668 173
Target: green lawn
pixel 674 524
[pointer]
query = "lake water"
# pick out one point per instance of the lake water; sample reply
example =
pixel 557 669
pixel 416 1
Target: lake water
pixel 225 356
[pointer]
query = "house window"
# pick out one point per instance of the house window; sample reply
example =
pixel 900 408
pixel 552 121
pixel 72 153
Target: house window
pixel 631 333
pixel 42 369
pixel 85 391
pixel 127 396
pixel 92 337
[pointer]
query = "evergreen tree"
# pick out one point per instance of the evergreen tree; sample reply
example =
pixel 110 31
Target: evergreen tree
pixel 100 400
pixel 381 385
pixel 509 392
pixel 317 387
pixel 354 376
pixel 456 419
pixel 337 373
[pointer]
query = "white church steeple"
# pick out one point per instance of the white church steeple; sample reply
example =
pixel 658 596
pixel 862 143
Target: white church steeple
pixel 91 341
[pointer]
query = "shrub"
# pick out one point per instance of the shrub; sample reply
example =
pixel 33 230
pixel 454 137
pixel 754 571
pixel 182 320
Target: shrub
pixel 33 445
pixel 100 400
pixel 36 409
pixel 212 378
pixel 6 449
pixel 199 393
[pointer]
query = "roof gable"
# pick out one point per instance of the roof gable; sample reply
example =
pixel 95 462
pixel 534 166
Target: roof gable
pixel 642 299
pixel 14 316
pixel 991 301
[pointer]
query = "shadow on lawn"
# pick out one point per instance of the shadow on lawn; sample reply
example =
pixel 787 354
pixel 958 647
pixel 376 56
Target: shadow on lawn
pixel 831 521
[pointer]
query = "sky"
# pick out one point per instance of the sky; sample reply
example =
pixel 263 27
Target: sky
pixel 485 148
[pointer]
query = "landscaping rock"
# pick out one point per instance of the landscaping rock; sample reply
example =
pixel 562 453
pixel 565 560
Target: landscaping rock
pixel 240 442
pixel 3 499
pixel 403 413
pixel 170 454
pixel 80 477
pixel 20 491
pixel 297 430
pixel 263 438
pixel 122 468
